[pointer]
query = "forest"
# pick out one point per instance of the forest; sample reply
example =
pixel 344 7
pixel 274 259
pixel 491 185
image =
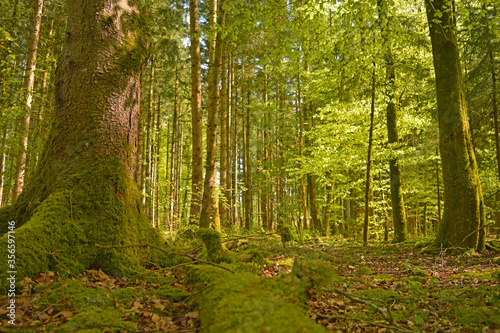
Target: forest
pixel 249 166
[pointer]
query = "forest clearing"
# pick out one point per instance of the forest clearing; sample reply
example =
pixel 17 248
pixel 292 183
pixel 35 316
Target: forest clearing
pixel 249 166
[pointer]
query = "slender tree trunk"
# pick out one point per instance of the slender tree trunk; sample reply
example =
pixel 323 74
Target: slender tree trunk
pixel 173 149
pixel 305 219
pixel 29 82
pixel 2 166
pixel 328 207
pixel 158 147
pixel 265 191
pixel 209 202
pixel 178 174
pixel 398 206
pixel 196 124
pixel 229 167
pixel 224 110
pixel 234 150
pixel 247 167
pixel 369 163
pixel 425 219
pixel 147 143
pixel 311 180
pixel 435 226
pixel 463 216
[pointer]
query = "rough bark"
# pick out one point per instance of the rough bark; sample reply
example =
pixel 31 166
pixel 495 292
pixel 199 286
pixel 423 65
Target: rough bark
pixel 196 125
pixel 463 215
pixel 82 193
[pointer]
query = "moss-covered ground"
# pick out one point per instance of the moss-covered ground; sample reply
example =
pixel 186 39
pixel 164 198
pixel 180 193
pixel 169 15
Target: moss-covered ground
pixel 329 284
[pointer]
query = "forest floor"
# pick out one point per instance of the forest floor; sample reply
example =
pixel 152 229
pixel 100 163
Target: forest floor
pixel 385 288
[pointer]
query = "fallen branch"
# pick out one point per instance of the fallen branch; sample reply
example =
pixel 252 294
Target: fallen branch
pixel 250 236
pixel 386 315
pixel 475 231
pixel 192 257
pixel 366 322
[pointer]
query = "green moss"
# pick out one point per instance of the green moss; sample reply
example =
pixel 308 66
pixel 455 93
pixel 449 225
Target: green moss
pixel 487 274
pixel 364 270
pixel 380 277
pixel 213 246
pixel 475 315
pixel 247 303
pixel 98 205
pixel 253 254
pixel 379 294
pixel 421 273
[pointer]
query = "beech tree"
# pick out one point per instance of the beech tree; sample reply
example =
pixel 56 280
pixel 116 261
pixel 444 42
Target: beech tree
pixel 463 216
pixel 82 194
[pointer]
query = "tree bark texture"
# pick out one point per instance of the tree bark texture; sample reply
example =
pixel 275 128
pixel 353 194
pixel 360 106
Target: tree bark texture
pixel 463 216
pixel 83 193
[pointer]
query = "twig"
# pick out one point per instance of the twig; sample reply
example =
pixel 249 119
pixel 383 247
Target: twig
pixel 366 322
pixel 250 236
pixel 472 233
pixel 385 315
pixel 192 257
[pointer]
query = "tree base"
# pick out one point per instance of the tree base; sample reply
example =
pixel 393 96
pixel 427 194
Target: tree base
pixel 97 207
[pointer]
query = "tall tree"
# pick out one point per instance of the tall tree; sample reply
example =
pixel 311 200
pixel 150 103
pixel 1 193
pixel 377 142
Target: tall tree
pixel 209 208
pixel 196 125
pixel 463 216
pixel 29 83
pixel 398 205
pixel 82 194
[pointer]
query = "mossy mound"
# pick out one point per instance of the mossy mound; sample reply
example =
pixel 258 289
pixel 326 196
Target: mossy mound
pixel 215 251
pixel 244 302
pixel 99 205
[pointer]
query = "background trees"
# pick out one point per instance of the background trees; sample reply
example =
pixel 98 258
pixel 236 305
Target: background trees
pixel 292 90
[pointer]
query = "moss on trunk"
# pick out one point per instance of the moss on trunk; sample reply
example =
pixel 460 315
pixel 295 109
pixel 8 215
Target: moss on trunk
pixel 82 193
pixel 463 216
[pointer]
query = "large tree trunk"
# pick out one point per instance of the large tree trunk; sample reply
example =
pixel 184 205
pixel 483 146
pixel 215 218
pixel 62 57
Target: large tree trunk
pixel 463 216
pixel 83 193
pixel 197 139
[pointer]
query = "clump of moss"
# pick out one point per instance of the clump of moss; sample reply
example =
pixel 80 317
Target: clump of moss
pixel 213 246
pixel 364 270
pixel 253 254
pixel 244 302
pixel 420 273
